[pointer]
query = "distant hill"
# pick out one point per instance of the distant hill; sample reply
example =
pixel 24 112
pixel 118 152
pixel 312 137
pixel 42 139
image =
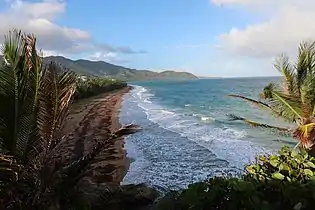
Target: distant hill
pixel 101 68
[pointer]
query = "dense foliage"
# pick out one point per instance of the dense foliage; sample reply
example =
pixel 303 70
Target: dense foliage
pixel 36 172
pixel 288 166
pixel 294 101
pixel 91 86
pixel 282 181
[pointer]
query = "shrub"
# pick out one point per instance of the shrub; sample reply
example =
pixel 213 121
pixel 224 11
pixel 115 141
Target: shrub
pixel 281 181
pixel 92 86
pixel 286 166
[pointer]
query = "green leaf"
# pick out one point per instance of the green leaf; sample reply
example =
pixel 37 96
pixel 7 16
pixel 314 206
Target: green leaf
pixel 284 167
pixel 262 158
pixel 250 169
pixel 274 162
pixel 304 153
pixel 294 154
pixel 273 157
pixel 278 176
pixel 310 164
pixel 308 172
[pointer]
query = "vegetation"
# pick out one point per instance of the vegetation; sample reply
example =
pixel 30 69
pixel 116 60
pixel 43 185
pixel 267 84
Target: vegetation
pixel 91 86
pixel 282 181
pixel 35 173
pixel 285 180
pixel 101 68
pixel 294 101
pixel 35 98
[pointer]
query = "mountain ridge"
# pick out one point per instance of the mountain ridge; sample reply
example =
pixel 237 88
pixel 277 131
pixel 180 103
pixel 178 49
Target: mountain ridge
pixel 102 68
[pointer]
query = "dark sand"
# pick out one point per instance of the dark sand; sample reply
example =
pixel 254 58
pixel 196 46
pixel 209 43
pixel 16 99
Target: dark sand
pixel 91 120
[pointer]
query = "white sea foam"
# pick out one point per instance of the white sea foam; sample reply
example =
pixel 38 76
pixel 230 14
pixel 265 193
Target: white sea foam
pixel 226 143
pixel 207 119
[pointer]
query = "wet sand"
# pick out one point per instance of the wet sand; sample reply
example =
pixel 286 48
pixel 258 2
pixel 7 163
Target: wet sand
pixel 92 120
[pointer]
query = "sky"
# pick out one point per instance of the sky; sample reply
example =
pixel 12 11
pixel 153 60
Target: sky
pixel 226 38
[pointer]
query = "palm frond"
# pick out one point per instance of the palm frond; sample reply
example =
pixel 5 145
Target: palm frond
pixel 57 89
pixel 305 61
pixel 75 169
pixel 283 65
pixel 256 124
pixel 256 103
pixel 288 104
pixel 13 48
pixel 267 91
pixel 19 88
pixel 9 169
pixel 307 91
pixel 127 130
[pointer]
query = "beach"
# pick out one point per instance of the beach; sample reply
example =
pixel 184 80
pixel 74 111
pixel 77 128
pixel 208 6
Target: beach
pixel 92 120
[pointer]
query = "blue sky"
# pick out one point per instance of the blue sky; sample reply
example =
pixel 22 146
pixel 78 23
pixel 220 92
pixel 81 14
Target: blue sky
pixel 177 34
pixel 226 38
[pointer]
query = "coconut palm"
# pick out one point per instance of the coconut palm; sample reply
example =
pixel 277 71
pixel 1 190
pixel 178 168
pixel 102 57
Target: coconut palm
pixel 34 103
pixel 294 100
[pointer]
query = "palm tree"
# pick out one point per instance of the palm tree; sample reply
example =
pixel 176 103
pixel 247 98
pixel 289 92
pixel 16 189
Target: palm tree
pixel 34 103
pixel 294 100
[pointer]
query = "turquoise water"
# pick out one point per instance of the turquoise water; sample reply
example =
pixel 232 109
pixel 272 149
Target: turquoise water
pixel 187 135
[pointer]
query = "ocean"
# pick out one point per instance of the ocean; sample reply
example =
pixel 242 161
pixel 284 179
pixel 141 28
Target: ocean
pixel 187 135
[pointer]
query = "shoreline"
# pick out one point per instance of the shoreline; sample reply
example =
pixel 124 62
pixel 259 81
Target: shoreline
pixel 91 120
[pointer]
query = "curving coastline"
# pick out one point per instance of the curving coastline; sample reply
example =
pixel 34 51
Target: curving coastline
pixel 93 119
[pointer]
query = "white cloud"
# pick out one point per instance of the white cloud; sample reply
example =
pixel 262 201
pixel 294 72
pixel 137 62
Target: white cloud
pixel 39 18
pixel 47 53
pixel 46 9
pixel 224 2
pixel 290 22
pixel 110 57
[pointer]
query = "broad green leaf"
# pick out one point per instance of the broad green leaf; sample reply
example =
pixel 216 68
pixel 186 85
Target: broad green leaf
pixel 274 162
pixel 274 157
pixel 250 169
pixel 284 167
pixel 310 164
pixel 278 176
pixel 262 158
pixel 294 154
pixel 308 172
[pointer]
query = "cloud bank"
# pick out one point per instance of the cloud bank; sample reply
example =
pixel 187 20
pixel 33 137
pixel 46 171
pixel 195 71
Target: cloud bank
pixel 289 22
pixel 40 18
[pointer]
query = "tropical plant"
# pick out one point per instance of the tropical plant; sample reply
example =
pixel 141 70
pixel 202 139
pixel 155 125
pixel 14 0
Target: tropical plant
pixel 284 180
pixel 289 166
pixel 294 101
pixel 91 86
pixel 34 174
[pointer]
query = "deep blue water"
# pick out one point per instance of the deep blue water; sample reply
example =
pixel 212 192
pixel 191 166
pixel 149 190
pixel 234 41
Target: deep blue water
pixel 187 135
